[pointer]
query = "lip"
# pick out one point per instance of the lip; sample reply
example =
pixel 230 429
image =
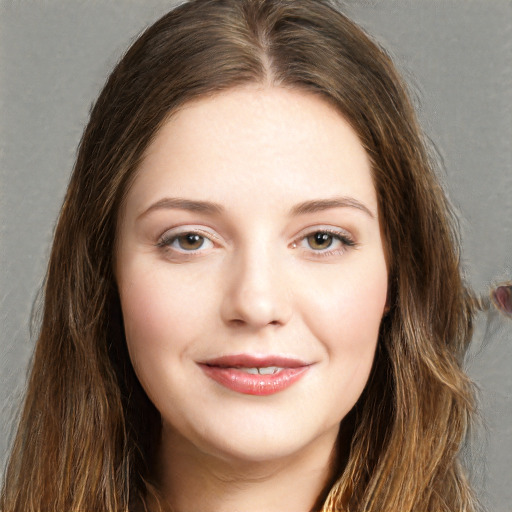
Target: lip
pixel 227 371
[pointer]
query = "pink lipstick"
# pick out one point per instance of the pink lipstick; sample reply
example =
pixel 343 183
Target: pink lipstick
pixel 254 375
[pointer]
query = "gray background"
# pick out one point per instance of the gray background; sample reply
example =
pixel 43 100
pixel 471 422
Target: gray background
pixel 457 56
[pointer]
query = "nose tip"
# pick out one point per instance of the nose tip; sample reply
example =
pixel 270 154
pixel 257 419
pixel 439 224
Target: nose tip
pixel 257 310
pixel 256 298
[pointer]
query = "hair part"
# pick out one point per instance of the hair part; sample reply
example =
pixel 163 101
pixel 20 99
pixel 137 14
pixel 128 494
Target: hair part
pixel 88 432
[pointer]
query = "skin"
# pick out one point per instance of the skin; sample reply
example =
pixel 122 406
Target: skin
pixel 257 285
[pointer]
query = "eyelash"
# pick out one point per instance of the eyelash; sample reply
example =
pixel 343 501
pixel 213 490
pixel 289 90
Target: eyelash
pixel 345 240
pixel 167 240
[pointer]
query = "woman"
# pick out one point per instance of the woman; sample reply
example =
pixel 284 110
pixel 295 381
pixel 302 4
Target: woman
pixel 243 297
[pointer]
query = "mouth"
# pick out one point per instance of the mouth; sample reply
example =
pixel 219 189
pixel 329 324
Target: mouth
pixel 255 375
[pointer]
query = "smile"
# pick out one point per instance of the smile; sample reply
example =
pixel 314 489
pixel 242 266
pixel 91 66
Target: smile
pixel 268 370
pixel 252 375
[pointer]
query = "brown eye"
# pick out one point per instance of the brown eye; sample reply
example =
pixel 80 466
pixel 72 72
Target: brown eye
pixel 186 242
pixel 190 241
pixel 319 240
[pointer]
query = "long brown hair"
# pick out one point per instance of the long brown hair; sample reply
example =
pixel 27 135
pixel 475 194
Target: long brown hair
pixel 88 432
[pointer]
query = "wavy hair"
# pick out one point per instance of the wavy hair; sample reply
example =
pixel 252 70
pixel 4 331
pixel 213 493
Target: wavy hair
pixel 88 433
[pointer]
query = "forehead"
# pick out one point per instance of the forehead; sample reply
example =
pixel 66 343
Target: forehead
pixel 260 142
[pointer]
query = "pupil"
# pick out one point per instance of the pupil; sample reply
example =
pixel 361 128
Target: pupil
pixel 320 240
pixel 191 241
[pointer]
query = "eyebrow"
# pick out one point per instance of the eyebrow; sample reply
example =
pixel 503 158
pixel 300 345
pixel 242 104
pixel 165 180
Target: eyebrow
pixel 184 204
pixel 312 206
pixel 317 205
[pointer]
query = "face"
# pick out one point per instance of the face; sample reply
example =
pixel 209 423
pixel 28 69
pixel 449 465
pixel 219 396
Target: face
pixel 251 273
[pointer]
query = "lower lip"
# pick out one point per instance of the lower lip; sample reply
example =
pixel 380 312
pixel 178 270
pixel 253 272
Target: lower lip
pixel 251 384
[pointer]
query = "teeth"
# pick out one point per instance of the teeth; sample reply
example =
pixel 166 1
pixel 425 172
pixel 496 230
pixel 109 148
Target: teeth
pixel 268 370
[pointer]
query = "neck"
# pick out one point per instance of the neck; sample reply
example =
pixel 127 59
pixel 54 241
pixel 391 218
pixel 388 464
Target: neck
pixel 194 481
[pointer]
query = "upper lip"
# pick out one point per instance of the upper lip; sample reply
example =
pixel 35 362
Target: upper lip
pixel 255 361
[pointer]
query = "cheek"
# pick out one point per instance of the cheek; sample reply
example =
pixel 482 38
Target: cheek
pixel 162 315
pixel 346 319
pixel 353 300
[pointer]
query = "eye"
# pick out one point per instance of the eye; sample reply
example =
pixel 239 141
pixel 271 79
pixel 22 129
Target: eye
pixel 186 242
pixel 190 241
pixel 320 240
pixel 325 242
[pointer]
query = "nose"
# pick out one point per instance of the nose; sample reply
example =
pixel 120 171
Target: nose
pixel 256 293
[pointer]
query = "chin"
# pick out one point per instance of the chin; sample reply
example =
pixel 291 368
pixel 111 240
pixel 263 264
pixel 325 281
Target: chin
pixel 258 443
